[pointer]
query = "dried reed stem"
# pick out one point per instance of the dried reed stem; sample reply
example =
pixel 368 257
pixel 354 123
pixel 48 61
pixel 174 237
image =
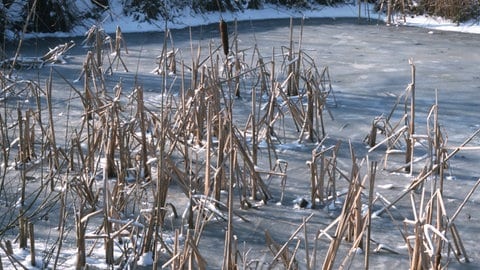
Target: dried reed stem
pixel 411 120
pixel 31 235
pixel 373 172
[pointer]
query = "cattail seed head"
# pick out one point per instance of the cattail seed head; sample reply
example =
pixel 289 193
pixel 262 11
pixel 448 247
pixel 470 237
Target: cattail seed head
pixel 224 36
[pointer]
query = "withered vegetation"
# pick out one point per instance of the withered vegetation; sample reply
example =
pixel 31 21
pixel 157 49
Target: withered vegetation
pixel 109 170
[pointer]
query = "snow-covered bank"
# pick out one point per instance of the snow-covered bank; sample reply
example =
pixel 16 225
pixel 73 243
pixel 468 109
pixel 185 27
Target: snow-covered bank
pixel 186 18
pixel 189 18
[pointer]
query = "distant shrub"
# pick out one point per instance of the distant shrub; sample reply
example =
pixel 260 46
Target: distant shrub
pixel 145 10
pixel 456 10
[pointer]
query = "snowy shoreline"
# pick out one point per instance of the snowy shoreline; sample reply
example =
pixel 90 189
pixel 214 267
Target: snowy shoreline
pixel 114 17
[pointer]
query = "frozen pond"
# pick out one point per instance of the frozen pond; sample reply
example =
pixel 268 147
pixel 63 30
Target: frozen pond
pixel 369 67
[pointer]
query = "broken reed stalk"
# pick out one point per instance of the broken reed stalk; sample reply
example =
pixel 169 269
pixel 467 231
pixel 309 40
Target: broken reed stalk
pixel 373 172
pixel 427 251
pixel 107 224
pixel 459 247
pixel 465 200
pixel 270 121
pixel 88 110
pixel 80 228
pixel 285 255
pixel 98 47
pixel 200 109
pixel 253 120
pixel 237 63
pixel 307 253
pixel 22 155
pixel 31 235
pixel 25 131
pixel 144 168
pixel 63 217
pixel 5 150
pixel 228 253
pixel 291 91
pixel 356 244
pixel 149 231
pixel 317 174
pixel 347 215
pixel 23 232
pixel 208 146
pixel 356 224
pixel 53 156
pixel 254 174
pixel 421 178
pixel 411 122
pixel 440 226
pixel 110 141
pixel 190 254
pixel 315 183
pixel 219 171
pixel 119 41
pixel 281 251
pixel 332 173
pixel 162 178
pixel 195 64
pixel 308 122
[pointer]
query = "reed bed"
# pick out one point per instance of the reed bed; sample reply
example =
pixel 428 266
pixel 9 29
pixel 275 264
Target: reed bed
pixel 110 175
pixel 431 236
